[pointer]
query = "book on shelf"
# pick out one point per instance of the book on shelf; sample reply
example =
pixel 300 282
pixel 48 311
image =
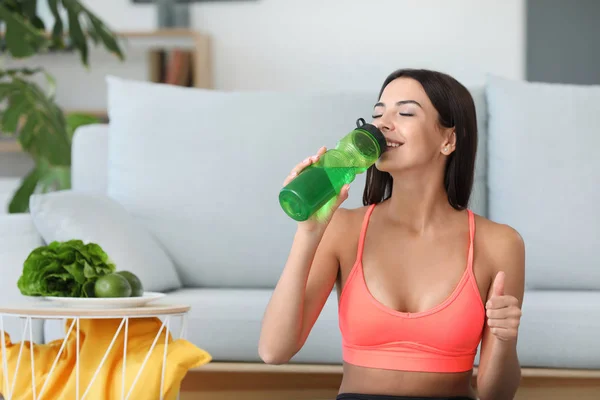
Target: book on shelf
pixel 171 67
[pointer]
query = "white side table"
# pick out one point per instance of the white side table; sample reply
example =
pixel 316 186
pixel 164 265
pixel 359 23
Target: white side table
pixel 49 311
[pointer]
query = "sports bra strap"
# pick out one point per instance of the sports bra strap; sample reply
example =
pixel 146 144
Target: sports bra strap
pixel 471 226
pixel 471 239
pixel 363 232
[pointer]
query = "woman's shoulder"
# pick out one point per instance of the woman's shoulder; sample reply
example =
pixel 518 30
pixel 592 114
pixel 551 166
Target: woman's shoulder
pixel 345 219
pixel 500 243
pixel 344 230
pixel 495 231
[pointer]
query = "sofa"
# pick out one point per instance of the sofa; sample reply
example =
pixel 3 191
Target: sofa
pixel 183 184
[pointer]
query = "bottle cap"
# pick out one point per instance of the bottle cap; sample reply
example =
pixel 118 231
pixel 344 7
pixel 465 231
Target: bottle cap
pixel 374 131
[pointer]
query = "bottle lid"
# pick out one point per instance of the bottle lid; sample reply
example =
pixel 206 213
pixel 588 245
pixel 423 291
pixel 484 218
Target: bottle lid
pixel 375 132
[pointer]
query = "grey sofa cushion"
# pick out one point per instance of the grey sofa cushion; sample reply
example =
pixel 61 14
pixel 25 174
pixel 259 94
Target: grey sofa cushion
pixel 226 323
pixel 544 174
pixel 560 329
pixel 479 197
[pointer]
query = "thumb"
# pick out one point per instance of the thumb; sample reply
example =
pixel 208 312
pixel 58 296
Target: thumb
pixel 498 288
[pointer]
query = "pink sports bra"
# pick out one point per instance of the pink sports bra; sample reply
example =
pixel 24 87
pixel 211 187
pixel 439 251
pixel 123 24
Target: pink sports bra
pixel 441 339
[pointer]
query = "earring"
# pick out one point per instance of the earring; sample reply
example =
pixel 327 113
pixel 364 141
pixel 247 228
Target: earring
pixel 445 149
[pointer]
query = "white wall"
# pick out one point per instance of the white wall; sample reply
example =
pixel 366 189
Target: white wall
pixel 337 44
pixel 318 44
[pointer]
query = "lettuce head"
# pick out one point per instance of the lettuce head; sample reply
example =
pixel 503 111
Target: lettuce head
pixel 64 269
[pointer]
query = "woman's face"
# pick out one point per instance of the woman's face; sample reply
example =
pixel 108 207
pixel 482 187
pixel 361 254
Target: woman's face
pixel 409 122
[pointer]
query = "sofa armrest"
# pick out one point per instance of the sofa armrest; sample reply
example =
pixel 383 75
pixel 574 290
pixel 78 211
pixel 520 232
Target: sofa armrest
pixel 18 237
pixel 89 169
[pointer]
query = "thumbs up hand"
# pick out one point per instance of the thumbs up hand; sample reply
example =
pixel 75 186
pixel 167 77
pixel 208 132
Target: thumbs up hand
pixel 503 311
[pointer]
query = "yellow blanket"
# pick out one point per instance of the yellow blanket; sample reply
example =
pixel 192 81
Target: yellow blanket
pixel 94 338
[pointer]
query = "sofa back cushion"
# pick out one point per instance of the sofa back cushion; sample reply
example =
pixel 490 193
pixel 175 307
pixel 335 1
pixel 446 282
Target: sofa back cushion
pixel 544 177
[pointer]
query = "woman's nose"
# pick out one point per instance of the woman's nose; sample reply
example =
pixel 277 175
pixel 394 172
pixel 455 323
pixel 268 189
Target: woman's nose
pixel 384 124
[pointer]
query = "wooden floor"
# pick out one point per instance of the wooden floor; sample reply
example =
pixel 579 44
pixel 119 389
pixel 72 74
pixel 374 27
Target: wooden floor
pixel 228 381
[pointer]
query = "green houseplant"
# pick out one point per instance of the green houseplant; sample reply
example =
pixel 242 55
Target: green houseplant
pixel 29 112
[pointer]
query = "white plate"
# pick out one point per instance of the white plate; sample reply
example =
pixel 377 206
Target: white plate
pixel 106 302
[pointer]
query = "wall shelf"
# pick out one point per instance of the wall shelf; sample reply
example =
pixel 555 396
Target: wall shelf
pixel 176 56
pixel 102 114
pixel 191 47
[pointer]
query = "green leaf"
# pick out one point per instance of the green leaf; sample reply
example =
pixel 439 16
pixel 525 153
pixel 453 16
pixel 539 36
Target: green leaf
pixel 47 103
pixel 20 73
pixel 12 115
pixel 76 270
pixel 29 8
pixel 88 289
pixel 51 139
pixel 38 23
pixel 75 32
pixel 20 200
pixel 7 90
pixel 88 270
pixel 28 133
pixel 76 120
pixel 54 150
pixel 57 30
pixel 22 38
pixel 42 273
pixel 108 38
pixel 55 178
pixel 27 73
pixel 93 34
pixel 51 85
pixel 14 6
pixel 18 47
pixel 44 134
pixel 13 72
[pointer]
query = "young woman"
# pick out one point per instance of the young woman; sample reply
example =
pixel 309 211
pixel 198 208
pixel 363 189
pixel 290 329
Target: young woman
pixel 421 280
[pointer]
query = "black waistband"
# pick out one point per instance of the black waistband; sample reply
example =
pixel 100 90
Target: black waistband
pixel 358 396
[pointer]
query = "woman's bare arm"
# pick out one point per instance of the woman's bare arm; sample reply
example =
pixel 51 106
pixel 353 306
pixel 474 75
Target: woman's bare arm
pixel 499 370
pixel 307 279
pixel 305 284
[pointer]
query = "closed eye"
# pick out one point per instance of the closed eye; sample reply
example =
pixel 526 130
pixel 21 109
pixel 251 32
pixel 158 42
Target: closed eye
pixel 403 114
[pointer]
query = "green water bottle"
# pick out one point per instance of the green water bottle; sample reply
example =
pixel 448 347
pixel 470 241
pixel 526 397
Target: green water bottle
pixel 317 185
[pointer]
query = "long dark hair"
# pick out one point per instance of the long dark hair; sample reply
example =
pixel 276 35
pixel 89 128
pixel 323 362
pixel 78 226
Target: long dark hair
pixel 456 108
